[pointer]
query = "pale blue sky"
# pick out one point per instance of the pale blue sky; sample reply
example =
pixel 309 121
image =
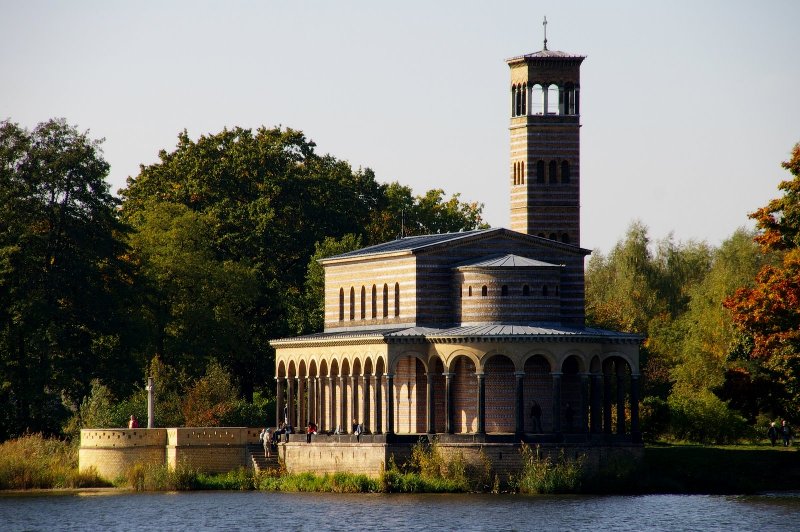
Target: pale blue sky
pixel 688 107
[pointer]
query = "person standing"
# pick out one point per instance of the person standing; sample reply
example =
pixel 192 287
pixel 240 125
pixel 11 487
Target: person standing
pixel 786 432
pixel 536 417
pixel 266 441
pixel 772 434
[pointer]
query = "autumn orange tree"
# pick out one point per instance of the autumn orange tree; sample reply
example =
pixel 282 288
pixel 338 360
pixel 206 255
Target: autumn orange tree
pixel 767 314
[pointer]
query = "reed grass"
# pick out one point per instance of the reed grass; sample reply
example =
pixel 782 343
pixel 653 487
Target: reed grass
pixel 36 462
pixel 543 474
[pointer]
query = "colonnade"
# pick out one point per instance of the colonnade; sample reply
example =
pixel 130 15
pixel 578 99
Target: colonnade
pixel 440 401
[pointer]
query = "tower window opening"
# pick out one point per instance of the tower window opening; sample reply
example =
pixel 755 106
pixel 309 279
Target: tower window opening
pixel 341 304
pixel 565 238
pixel 522 173
pixel 504 290
pixel 363 302
pixel 540 171
pixel 544 290
pixel 565 172
pixel 352 303
pixel 526 290
pixel 556 289
pixel 569 99
pixel 514 172
pixel 484 291
pixel 385 300
pixel 553 172
pixel 537 100
pixel 552 100
pixel 470 292
pixel 396 299
pixel 374 302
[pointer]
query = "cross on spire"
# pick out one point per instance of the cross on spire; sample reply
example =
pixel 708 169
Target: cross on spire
pixel 545 32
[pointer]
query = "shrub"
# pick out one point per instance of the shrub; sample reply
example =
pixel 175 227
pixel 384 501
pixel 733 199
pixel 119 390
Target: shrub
pixel 700 416
pixel 654 417
pixel 159 477
pixel 545 475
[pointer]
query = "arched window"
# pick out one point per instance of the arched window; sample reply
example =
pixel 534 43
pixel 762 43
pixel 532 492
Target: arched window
pixel 385 300
pixel 484 291
pixel 396 299
pixel 522 173
pixel 526 290
pixel 514 173
pixel 470 291
pixel 540 171
pixel 504 290
pixel 565 172
pixel 552 100
pixel 352 303
pixel 374 302
pixel 363 302
pixel 565 238
pixel 553 172
pixel 544 290
pixel 537 100
pixel 341 304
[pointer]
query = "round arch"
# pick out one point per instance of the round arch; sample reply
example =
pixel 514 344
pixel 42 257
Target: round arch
pixel 500 393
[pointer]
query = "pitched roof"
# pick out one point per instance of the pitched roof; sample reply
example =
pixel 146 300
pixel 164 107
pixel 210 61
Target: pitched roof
pixel 546 54
pixel 506 261
pixel 411 244
pixel 473 332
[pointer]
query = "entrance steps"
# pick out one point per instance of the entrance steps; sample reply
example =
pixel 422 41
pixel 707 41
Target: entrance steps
pixel 258 461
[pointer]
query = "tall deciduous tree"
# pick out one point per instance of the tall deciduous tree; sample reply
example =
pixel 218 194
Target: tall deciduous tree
pixel 768 313
pixel 63 278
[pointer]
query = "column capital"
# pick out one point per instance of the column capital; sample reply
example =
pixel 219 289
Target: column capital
pixel 635 375
pixel 389 375
pixel 448 375
pixel 480 375
pixel 519 374
pixel 556 374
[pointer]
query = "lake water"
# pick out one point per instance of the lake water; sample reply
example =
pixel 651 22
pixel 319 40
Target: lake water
pixel 112 510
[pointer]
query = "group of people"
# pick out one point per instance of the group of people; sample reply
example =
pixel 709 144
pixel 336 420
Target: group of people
pixel 784 432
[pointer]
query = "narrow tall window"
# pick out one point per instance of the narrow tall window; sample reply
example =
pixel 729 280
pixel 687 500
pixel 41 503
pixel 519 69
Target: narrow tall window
pixel 484 291
pixel 374 302
pixel 470 292
pixel 526 290
pixel 396 299
pixel 504 290
pixel 385 300
pixel 363 302
pixel 544 290
pixel 522 173
pixel 352 303
pixel 341 304
pixel 565 172
pixel 540 171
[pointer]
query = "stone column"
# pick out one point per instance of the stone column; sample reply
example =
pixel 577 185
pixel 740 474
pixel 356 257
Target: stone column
pixel 596 422
pixel 556 401
pixel 331 409
pixel 299 422
pixel 378 404
pixel 635 432
pixel 355 402
pixel 290 393
pixel 448 403
pixel 390 406
pixel 584 413
pixel 519 403
pixel 309 400
pixel 607 403
pixel 620 401
pixel 278 401
pixel 343 422
pixel 430 406
pixel 481 403
pixel 366 399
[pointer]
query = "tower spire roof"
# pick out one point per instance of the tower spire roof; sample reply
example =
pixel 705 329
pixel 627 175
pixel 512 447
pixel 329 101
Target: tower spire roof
pixel 545 32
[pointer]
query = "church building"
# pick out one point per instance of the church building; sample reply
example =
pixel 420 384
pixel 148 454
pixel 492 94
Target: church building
pixel 476 336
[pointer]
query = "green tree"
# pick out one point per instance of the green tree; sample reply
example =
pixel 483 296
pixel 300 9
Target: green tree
pixel 64 282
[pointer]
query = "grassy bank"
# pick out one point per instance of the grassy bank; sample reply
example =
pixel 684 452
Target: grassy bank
pixel 35 462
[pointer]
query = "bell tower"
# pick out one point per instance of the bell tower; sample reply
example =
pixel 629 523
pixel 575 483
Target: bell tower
pixel 545 144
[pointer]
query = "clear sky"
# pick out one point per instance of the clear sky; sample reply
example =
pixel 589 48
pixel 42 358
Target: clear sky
pixel 688 107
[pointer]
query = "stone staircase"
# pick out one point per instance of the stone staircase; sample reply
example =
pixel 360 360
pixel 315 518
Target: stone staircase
pixel 259 462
